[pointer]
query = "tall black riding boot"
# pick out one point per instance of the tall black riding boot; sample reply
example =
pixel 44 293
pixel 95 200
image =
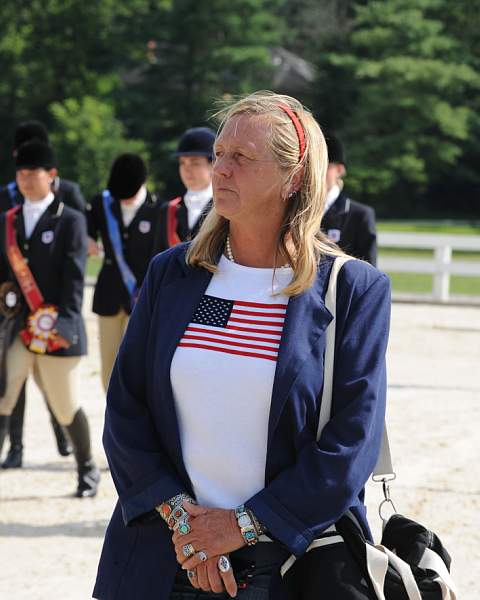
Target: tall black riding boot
pixel 3 430
pixel 88 474
pixel 63 443
pixel 14 457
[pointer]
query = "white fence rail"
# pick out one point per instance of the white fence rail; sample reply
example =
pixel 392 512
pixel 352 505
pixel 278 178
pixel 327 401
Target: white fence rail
pixel 440 266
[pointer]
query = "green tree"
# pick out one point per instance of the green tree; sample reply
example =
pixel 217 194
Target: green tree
pixel 311 23
pixel 87 137
pixel 157 63
pixel 406 117
pixel 194 53
pixel 461 190
pixel 51 50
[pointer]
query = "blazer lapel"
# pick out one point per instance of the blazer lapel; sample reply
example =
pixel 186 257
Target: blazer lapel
pixel 179 301
pixel 340 206
pixel 182 221
pixel 306 320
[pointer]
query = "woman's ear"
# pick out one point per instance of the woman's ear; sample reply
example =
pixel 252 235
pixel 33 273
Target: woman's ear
pixel 293 184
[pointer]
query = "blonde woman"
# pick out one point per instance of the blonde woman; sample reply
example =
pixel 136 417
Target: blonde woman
pixel 213 403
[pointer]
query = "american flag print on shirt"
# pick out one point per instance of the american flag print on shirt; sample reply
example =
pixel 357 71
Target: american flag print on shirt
pixel 236 327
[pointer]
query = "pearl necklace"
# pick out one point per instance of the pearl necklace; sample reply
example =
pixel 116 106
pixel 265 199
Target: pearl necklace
pixel 229 253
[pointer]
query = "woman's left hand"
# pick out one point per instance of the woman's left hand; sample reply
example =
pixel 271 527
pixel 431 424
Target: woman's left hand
pixel 214 531
pixel 209 578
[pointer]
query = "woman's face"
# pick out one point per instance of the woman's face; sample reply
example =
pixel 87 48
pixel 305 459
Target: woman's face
pixel 247 181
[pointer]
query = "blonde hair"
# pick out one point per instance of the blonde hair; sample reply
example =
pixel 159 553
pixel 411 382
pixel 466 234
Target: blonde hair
pixel 304 209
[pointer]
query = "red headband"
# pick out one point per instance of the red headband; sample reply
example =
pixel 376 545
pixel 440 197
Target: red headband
pixel 298 127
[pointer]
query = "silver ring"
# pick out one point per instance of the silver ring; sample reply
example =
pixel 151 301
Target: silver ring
pixel 188 550
pixel 191 573
pixel 202 555
pixel 223 564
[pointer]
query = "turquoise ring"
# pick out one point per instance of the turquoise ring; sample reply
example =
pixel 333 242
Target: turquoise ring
pixel 184 528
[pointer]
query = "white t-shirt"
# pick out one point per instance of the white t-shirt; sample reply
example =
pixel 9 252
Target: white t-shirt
pixel 222 377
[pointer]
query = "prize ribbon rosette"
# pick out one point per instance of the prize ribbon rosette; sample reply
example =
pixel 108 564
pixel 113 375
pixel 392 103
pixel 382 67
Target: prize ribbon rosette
pixel 39 335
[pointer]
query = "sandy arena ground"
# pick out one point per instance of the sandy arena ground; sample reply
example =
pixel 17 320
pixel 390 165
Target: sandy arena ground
pixel 50 543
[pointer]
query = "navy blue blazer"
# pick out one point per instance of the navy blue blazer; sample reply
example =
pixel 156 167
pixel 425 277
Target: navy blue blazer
pixel 308 485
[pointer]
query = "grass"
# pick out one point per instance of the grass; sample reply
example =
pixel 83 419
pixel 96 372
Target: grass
pixel 93 266
pixel 441 227
pixel 467 286
pixel 462 255
pixel 413 283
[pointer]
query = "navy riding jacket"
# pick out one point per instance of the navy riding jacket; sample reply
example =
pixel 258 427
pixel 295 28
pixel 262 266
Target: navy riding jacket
pixel 308 485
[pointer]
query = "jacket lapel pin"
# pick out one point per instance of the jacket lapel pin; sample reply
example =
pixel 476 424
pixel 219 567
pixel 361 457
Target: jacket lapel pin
pixel 47 237
pixel 144 226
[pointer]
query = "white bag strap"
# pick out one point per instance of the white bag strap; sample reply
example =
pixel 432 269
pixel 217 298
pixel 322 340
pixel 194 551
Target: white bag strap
pixel 377 566
pixel 331 304
pixel 384 463
pixel 431 560
pixel 447 592
pixel 318 543
pixel 326 405
pixel 378 558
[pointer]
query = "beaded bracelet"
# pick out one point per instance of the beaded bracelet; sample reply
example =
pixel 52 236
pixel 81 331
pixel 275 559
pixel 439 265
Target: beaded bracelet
pixel 173 513
pixel 246 526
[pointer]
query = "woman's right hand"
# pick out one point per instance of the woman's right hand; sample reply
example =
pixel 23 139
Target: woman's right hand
pixel 209 578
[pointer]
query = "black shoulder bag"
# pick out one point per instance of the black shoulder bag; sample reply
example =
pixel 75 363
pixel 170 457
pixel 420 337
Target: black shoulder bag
pixel 410 563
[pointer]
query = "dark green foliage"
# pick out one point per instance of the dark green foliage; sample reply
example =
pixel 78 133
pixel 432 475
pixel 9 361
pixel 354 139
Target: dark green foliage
pixel 154 68
pixel 88 137
pixel 51 50
pixel 195 53
pixel 403 102
pixel 398 79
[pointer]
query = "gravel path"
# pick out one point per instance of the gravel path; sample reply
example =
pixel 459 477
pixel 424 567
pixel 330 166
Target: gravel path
pixel 50 543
